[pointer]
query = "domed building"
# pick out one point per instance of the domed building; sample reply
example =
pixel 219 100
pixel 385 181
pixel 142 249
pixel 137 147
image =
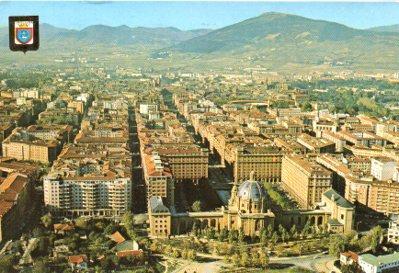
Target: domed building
pixel 249 208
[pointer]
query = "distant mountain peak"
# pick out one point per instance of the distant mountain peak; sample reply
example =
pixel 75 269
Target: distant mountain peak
pixel 252 31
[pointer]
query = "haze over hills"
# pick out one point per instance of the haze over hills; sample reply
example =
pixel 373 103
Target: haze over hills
pixel 391 28
pixel 273 41
pixel 106 35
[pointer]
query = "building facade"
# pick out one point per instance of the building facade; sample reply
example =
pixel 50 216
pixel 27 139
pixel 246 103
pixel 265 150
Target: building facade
pixel 383 168
pixel 265 160
pixel 305 180
pixel 88 187
pixel 379 264
pixel 249 210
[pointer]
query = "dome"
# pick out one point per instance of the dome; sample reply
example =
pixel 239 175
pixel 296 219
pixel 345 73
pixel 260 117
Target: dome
pixel 251 190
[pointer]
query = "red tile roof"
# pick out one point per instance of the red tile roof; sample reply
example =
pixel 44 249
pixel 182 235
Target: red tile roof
pixel 77 259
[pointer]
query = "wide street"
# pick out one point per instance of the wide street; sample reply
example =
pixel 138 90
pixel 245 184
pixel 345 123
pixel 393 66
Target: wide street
pixel 212 263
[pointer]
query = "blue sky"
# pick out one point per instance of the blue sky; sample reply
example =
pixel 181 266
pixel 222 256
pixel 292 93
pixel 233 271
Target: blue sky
pixel 192 15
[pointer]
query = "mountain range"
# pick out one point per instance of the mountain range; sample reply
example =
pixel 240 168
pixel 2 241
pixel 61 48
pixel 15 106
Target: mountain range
pixel 271 40
pixel 107 35
pixel 273 28
pixel 391 28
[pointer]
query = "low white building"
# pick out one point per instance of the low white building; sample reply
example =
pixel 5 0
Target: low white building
pixel 376 264
pixel 348 258
pixel 383 168
pixel 393 230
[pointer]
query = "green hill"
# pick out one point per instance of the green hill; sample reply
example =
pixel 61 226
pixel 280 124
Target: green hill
pixel 272 27
pixel 276 40
pixel 391 28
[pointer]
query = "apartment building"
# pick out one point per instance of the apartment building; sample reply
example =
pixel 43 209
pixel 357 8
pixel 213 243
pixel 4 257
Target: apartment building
pixel 316 145
pixel 304 180
pixel 17 200
pixel 393 230
pixel 94 187
pixel 264 161
pixel 333 137
pixel 23 145
pixel 383 168
pixel 186 161
pixel 383 196
pixel 158 179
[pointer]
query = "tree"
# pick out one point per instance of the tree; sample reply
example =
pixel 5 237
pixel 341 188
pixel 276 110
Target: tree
pixel 233 236
pixel 283 233
pixel 184 253
pixel 293 232
pixel 168 250
pixel 176 253
pixel 306 230
pixel 241 236
pixel 269 231
pixel 223 234
pixel 6 264
pixel 210 233
pixel 128 220
pixel 191 254
pixel 254 259
pixel 110 228
pixel 254 238
pixel 100 225
pixel 274 238
pixel 306 107
pixel 96 246
pixel 42 248
pixel 350 268
pixel 41 267
pixel 235 259
pixel 376 235
pixel 47 220
pixel 37 232
pixel 197 206
pixel 244 260
pixel 109 263
pixel 301 248
pixel 263 259
pixel 336 246
pixel 263 238
pixel 128 223
pixel 194 229
pixel 81 223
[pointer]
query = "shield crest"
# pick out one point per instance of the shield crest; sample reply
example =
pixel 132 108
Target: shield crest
pixel 24 35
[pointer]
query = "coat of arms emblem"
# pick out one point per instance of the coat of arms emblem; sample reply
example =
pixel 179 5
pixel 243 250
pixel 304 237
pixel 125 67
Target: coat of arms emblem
pixel 24 33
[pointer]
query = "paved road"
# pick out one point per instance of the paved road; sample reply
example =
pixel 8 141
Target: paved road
pixel 198 267
pixel 317 262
